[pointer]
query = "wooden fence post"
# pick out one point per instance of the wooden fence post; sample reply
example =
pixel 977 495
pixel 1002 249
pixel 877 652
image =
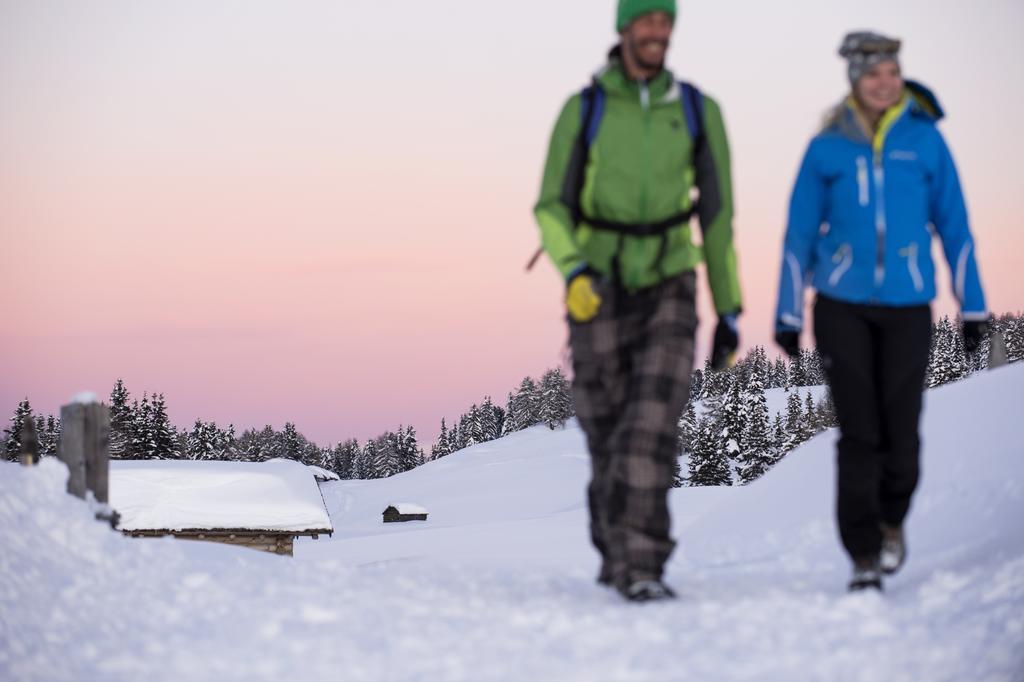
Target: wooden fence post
pixel 97 451
pixel 71 449
pixel 29 444
pixel 85 447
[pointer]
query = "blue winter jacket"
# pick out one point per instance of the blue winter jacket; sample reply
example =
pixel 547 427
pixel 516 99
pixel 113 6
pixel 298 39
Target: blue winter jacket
pixel 863 213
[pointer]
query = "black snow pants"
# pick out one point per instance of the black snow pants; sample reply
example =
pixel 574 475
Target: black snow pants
pixel 875 358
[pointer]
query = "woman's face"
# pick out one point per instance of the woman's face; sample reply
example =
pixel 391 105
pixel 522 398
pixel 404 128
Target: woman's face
pixel 880 87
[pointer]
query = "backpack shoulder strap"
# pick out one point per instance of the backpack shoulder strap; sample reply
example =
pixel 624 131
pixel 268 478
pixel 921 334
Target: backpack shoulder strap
pixel 591 111
pixel 592 100
pixel 693 110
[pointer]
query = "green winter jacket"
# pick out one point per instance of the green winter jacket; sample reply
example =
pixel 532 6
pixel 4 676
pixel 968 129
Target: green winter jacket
pixel 641 169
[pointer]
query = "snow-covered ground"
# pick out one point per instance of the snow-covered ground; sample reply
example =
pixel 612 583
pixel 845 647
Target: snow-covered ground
pixel 498 583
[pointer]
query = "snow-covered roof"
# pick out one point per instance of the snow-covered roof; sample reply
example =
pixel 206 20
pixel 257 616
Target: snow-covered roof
pixel 408 508
pixel 323 474
pixel 280 495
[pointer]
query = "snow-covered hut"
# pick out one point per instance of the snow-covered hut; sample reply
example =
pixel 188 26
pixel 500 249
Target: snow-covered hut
pixel 262 505
pixel 404 511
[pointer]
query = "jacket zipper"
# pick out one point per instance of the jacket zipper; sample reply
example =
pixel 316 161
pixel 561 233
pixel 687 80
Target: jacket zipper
pixel 645 104
pixel 880 226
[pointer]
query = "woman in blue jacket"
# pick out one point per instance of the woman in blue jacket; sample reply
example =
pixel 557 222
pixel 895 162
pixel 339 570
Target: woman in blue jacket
pixel 874 187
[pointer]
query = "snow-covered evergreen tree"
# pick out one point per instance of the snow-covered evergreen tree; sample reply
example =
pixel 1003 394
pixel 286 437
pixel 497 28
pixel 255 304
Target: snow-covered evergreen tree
pixel 508 425
pixel 441 446
pixel 715 383
pixel 526 405
pixel 1012 329
pixel 687 430
pixel 49 437
pixel 948 361
pixel 827 412
pixel 201 441
pixel 410 455
pixel 813 373
pixel 556 406
pixel 797 373
pixel 311 454
pixel 363 466
pixel 120 421
pixel 757 456
pixel 229 444
pixel 386 458
pixel 733 420
pixel 708 465
pixel 780 374
pixel 258 446
pixel 12 434
pixel 499 419
pixel 459 435
pixel 40 429
pixel 779 438
pixel 164 440
pixel 810 420
pixel 696 384
pixel 794 421
pixel 472 427
pixel 346 459
pixel 291 443
pixel 489 426
pixel 142 440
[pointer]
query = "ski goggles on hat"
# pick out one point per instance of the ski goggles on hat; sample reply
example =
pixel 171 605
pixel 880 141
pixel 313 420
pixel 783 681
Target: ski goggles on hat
pixel 879 46
pixel 869 44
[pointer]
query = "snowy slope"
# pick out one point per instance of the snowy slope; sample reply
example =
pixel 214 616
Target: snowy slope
pixel 498 583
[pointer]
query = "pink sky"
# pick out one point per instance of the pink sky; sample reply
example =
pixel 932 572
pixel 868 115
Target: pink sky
pixel 321 213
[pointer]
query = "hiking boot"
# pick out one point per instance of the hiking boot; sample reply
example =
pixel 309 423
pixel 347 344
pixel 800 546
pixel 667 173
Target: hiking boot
pixel 894 549
pixel 647 590
pixel 866 574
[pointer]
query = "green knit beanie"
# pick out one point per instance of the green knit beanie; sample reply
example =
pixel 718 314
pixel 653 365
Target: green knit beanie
pixel 631 9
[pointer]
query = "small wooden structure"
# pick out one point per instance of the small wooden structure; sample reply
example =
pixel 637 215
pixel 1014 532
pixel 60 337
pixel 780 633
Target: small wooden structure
pixel 262 506
pixel 265 541
pixel 404 511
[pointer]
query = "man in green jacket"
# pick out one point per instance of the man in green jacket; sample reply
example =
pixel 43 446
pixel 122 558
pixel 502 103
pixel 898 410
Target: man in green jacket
pixel 614 215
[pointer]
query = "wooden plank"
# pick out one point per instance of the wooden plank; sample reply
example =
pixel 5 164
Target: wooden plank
pixel 97 451
pixel 71 449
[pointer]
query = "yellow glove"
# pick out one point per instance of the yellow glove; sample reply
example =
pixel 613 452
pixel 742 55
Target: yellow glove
pixel 581 299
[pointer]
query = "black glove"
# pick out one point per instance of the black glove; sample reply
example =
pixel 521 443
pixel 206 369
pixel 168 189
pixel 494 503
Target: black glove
pixel 789 341
pixel 975 332
pixel 725 343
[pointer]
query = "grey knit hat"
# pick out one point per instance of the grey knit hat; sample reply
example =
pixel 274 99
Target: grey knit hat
pixel 864 49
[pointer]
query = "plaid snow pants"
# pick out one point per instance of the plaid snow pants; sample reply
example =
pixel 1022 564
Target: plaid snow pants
pixel 632 367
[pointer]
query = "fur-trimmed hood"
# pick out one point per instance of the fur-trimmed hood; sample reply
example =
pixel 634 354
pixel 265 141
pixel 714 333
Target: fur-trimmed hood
pixel 843 119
